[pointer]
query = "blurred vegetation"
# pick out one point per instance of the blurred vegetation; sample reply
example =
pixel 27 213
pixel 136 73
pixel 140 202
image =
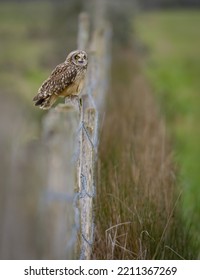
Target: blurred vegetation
pixel 25 46
pixel 136 193
pixel 137 215
pixel 172 65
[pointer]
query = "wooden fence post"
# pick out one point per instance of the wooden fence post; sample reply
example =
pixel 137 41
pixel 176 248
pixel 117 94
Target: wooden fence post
pixel 86 159
pixel 71 138
pixel 58 222
pixel 92 98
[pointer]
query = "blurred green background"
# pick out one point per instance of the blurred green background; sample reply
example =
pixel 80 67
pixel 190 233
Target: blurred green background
pixel 173 67
pixel 37 35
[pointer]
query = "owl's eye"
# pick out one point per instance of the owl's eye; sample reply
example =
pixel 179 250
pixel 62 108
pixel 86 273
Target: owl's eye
pixel 76 57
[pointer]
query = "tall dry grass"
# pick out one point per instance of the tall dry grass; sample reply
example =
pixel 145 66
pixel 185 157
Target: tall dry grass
pixel 137 197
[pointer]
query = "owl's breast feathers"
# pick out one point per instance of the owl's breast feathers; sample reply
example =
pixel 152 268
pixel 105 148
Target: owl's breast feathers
pixel 63 81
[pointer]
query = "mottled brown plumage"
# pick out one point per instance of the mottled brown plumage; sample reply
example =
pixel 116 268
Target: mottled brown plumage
pixel 67 79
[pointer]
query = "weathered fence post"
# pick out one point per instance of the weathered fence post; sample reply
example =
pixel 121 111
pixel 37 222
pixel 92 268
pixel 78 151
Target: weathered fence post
pixel 71 138
pixel 86 159
pixel 58 223
pixel 92 102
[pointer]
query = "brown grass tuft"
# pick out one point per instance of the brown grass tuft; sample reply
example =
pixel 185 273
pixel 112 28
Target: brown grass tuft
pixel 136 197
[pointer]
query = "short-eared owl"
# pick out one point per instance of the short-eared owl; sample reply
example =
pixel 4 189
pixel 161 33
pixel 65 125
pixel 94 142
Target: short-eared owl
pixel 67 79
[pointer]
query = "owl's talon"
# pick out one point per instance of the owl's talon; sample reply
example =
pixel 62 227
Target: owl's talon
pixel 72 100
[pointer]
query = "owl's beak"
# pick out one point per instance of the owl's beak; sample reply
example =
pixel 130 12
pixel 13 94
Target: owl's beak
pixel 80 60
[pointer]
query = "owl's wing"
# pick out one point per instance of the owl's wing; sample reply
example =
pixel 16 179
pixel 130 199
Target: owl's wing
pixel 61 77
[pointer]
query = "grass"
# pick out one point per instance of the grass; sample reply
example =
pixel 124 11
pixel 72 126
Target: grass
pixel 137 201
pixel 172 65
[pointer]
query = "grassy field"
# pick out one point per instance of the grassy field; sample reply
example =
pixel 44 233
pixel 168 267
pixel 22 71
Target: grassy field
pixel 148 197
pixel 136 201
pixel 172 64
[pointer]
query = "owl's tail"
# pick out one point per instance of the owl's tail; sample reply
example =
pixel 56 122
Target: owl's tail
pixel 45 103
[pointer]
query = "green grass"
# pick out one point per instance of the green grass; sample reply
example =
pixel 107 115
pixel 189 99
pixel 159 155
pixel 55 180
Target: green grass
pixel 172 65
pixel 136 204
pixel 133 210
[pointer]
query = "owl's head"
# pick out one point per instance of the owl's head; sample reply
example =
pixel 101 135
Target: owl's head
pixel 78 58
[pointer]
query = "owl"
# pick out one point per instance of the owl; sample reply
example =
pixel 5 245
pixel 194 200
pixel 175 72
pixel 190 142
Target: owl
pixel 66 80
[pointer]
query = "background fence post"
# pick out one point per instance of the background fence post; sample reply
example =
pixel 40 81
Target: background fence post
pixel 58 220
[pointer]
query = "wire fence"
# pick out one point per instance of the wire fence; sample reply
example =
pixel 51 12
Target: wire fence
pixel 71 140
